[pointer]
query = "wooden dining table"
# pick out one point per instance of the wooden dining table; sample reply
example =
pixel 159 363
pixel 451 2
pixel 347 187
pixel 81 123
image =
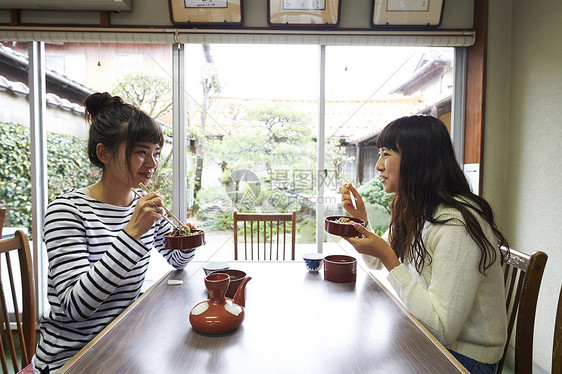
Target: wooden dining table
pixel 296 322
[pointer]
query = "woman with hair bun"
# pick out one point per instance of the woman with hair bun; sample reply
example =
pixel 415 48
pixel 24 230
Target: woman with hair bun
pixel 98 238
pixel 442 245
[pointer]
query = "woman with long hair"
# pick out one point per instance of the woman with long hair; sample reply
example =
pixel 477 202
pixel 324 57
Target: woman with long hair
pixel 442 245
pixel 98 238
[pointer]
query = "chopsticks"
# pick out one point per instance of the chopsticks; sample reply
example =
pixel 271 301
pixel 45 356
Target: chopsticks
pixel 145 189
pixel 167 219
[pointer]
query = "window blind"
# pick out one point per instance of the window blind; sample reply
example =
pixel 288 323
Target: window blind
pixel 162 36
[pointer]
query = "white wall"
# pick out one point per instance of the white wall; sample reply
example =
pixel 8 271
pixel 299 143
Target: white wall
pixel 354 14
pixel 523 141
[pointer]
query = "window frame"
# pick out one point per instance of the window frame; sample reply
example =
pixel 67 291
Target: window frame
pixel 179 208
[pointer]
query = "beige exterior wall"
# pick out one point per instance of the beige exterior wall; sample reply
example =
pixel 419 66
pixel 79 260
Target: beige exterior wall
pixel 16 109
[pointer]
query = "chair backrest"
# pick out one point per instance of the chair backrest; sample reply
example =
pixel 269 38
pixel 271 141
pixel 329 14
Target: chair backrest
pixel 557 341
pixel 265 235
pixel 22 322
pixel 3 212
pixel 522 276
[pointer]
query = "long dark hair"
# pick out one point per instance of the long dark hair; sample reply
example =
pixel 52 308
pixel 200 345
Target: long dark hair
pixel 430 176
pixel 112 122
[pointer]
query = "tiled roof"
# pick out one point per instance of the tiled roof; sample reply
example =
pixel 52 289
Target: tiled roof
pixel 352 120
pixel 22 60
pixel 12 57
pixel 55 101
pixel 17 88
pixel 20 89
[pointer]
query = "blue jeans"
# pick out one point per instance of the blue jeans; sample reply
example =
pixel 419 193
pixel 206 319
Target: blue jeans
pixel 473 366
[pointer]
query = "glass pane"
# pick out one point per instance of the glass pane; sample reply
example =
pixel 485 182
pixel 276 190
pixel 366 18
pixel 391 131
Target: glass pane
pixel 139 73
pixel 252 118
pixel 15 163
pixel 366 88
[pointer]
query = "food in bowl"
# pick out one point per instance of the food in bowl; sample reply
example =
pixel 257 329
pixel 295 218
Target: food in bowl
pixel 342 226
pixel 183 231
pixel 344 220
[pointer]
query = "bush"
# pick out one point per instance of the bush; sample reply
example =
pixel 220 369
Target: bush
pixel 373 192
pixel 68 164
pixel 68 167
pixel 15 174
pixel 377 203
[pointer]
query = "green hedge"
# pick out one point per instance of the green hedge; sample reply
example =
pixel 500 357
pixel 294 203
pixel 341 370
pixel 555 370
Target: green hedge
pixel 67 163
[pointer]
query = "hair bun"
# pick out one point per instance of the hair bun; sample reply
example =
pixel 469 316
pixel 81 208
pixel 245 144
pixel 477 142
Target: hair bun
pixel 98 102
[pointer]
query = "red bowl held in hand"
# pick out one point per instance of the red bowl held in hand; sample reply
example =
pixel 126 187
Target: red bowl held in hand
pixel 195 240
pixel 333 225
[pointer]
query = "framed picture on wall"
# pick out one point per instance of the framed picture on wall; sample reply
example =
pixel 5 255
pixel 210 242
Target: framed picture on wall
pixel 303 13
pixel 409 13
pixel 199 13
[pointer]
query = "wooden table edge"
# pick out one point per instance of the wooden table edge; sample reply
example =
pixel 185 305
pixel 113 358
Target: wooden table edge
pixel 92 342
pixel 432 338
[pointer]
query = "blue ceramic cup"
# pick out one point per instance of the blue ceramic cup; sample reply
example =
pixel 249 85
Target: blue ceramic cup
pixel 313 261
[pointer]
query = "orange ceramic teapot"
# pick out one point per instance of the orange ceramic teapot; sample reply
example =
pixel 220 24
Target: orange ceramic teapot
pixel 219 314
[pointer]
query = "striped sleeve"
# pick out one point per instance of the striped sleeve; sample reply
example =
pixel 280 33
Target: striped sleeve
pixel 80 285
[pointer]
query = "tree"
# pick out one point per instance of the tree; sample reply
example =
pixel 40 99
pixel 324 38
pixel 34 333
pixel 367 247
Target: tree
pixel 265 139
pixel 151 93
pixel 335 154
pixel 211 85
pixel 266 142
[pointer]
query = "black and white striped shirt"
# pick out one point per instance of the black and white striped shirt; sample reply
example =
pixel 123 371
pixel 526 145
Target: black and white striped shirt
pixel 96 270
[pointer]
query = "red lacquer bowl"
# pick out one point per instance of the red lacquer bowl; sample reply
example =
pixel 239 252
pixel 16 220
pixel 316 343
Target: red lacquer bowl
pixel 340 268
pixel 185 242
pixel 342 229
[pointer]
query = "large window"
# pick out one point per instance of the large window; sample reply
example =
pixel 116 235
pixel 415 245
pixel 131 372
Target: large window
pixel 252 123
pixel 253 117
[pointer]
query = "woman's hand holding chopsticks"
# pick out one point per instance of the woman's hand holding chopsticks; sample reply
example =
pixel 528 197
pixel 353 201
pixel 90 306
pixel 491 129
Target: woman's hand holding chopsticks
pixel 147 211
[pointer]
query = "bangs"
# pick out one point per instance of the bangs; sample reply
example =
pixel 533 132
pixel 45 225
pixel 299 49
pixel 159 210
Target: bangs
pixel 388 137
pixel 143 129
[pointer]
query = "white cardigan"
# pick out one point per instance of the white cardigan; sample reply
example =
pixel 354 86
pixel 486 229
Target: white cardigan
pixel 462 308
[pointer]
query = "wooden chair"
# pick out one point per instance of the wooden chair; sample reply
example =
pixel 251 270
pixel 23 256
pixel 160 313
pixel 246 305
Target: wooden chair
pixel 522 276
pixel 557 341
pixel 24 326
pixel 265 235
